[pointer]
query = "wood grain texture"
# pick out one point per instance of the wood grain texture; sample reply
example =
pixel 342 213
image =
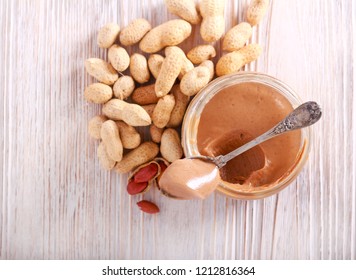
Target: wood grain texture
pixel 57 203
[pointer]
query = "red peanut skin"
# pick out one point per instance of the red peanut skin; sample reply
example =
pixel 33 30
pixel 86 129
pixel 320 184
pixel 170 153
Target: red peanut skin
pixel 148 207
pixel 136 188
pixel 146 173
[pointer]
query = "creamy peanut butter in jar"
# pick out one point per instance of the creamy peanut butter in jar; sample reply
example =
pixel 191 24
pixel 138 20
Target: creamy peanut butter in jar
pixel 231 111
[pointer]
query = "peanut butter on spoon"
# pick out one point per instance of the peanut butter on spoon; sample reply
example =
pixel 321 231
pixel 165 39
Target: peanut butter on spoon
pixel 190 179
pixel 198 177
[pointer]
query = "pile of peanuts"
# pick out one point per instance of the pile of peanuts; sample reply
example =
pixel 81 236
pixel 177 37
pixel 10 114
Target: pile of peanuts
pixel 130 101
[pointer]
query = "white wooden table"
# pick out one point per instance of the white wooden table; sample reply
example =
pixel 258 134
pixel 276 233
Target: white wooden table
pixel 57 203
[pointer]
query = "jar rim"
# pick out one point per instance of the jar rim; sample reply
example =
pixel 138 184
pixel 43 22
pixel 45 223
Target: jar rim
pixel 196 106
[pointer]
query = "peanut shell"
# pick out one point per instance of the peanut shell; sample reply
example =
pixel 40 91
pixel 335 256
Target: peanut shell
pixel 134 32
pixel 155 63
pixel 185 9
pixel 197 78
pixel 181 104
pixel 156 133
pixel 130 138
pixel 171 148
pixel 163 110
pixel 201 53
pixel 111 138
pixel 232 62
pixel 124 87
pixel 149 109
pixel 145 95
pixel 170 33
pixel 98 93
pixel 113 109
pixel 101 70
pixel 139 68
pixel 256 11
pixel 119 58
pixel 170 70
pixel 135 115
pixel 105 161
pixel 94 126
pixel 142 154
pixel 237 37
pixel 107 35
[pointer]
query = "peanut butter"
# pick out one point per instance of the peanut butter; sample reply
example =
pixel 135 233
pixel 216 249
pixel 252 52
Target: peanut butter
pixel 190 179
pixel 236 115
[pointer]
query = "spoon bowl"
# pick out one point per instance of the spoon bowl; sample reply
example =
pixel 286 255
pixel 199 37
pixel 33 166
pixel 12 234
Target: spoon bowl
pixel 238 169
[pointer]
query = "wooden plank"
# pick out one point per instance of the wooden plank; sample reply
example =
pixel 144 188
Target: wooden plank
pixel 57 203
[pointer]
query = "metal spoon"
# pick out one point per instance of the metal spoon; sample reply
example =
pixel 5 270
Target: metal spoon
pixel 305 115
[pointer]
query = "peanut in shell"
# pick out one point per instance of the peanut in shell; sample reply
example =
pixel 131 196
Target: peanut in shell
pixel 144 153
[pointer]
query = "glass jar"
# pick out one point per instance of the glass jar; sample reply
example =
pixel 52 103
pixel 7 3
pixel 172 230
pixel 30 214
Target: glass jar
pixel 192 119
